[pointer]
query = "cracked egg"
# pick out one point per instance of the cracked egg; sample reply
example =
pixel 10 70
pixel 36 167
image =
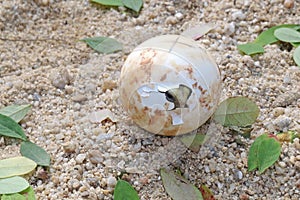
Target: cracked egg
pixel 169 85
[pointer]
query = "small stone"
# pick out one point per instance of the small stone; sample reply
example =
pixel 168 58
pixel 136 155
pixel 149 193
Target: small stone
pixel 287 79
pixel 69 89
pixel 171 20
pixel 80 158
pixel 69 147
pixel 61 78
pixel 238 15
pixel 297 165
pixel 85 194
pixel 289 3
pixel 179 16
pixel 292 159
pixel 111 181
pixel 108 85
pixel 297 143
pixel 282 123
pixel 76 184
pixel 79 98
pixel 282 164
pixel 230 28
pixel 238 174
pixel 244 196
pixel 95 156
pixel 278 111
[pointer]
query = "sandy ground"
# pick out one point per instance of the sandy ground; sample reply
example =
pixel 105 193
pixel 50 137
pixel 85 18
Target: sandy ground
pixel 43 63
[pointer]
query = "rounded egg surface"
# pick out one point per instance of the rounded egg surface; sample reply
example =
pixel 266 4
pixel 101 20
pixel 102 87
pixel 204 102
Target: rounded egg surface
pixel 169 85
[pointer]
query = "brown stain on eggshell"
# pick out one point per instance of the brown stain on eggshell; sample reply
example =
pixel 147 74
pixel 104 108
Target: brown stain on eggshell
pixel 163 78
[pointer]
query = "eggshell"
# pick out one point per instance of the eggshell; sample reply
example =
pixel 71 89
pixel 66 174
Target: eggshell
pixel 169 85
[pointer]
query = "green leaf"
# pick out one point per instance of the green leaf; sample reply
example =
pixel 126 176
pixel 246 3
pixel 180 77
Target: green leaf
pixel 253 152
pixel 296 56
pixel 295 44
pixel 16 166
pixel 9 128
pixel 236 111
pixel 15 196
pixel 193 141
pixel 251 48
pixel 267 36
pixel 35 153
pixel 178 187
pixel 109 2
pixel 15 112
pixel 287 35
pixel 13 185
pixel 263 153
pixel 135 5
pixel 206 193
pixel 124 191
pixel 103 44
pixel 29 193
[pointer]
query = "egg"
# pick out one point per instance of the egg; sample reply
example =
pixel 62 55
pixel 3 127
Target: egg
pixel 169 85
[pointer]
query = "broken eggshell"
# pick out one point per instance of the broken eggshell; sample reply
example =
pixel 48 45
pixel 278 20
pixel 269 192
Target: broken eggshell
pixel 169 85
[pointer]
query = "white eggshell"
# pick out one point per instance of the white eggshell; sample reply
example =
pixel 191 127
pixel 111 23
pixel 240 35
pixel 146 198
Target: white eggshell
pixel 169 85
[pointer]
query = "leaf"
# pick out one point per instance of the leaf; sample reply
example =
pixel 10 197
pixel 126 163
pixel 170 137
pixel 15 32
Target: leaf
pixel 193 141
pixel 135 5
pixel 295 44
pixel 236 111
pixel 251 48
pixel 15 196
pixel 296 56
pixel 13 185
pixel 206 193
pixel 16 166
pixel 179 188
pixel 15 112
pixel 124 191
pixel 287 35
pixel 263 153
pixel 103 44
pixel 109 2
pixel 35 153
pixel 9 128
pixel 267 36
pixel 29 193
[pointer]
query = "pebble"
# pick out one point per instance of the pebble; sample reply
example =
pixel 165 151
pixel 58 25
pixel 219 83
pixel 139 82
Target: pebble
pixel 238 15
pixel 69 147
pixel 297 165
pixel 108 85
pixel 76 184
pixel 179 16
pixel 95 156
pixel 171 20
pixel 278 111
pixel 282 123
pixel 289 3
pixel 282 164
pixel 229 28
pixel 79 98
pixel 61 78
pixel 111 181
pixel 80 158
